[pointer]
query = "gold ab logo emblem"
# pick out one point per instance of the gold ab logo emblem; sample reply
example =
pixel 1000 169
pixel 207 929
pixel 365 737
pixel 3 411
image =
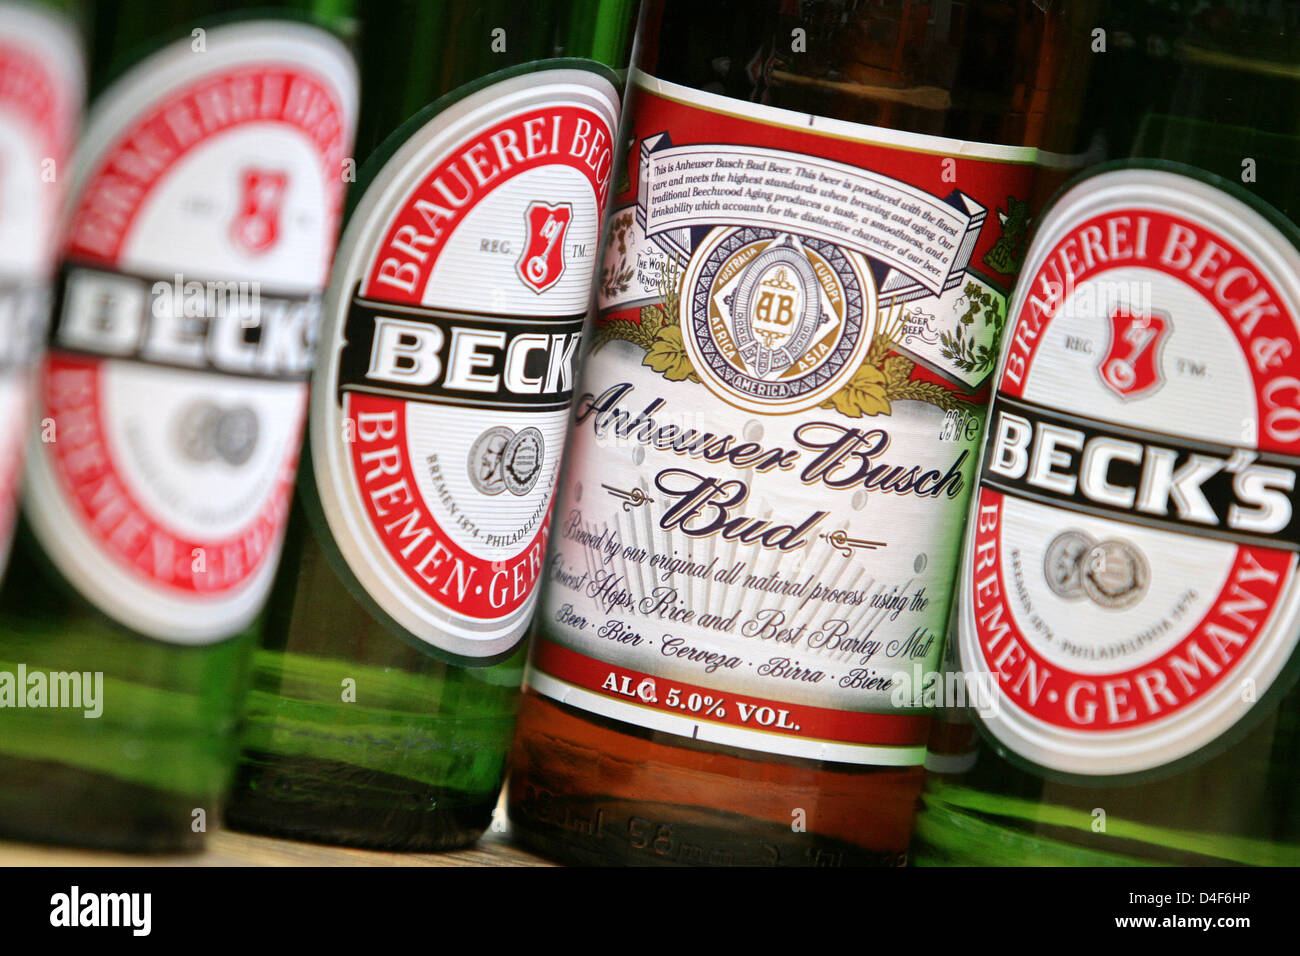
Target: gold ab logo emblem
pixel 778 298
pixel 775 322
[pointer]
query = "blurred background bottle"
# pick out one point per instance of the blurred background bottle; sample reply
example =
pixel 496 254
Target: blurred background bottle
pixel 1139 676
pixel 42 85
pixel 823 209
pixel 386 684
pixel 203 209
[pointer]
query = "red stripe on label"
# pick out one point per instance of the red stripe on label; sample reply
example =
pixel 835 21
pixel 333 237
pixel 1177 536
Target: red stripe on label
pixel 385 482
pixel 149 151
pixel 706 705
pixel 115 515
pixel 28 88
pixel 1203 659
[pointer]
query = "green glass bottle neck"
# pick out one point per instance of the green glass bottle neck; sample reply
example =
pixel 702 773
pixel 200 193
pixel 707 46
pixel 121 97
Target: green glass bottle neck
pixel 413 52
pixel 1215 86
pixel 123 32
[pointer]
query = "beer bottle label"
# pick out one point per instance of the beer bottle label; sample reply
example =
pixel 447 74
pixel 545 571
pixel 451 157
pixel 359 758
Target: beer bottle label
pixel 1130 576
pixel 41 88
pixel 204 208
pixel 452 326
pixel 774 441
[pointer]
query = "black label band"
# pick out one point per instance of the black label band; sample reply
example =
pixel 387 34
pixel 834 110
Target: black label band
pixel 1147 478
pixel 435 355
pixel 231 327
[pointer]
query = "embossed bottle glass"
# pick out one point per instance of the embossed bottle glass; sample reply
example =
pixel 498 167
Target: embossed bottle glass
pixel 1129 594
pixel 386 685
pixel 203 206
pixel 821 216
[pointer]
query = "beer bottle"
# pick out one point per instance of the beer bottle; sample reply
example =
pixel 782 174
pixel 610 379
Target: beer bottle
pixel 386 684
pixel 1127 609
pixel 824 207
pixel 203 208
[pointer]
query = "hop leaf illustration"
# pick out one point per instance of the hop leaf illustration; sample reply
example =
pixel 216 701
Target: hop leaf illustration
pixel 865 394
pixel 668 356
pixel 1007 251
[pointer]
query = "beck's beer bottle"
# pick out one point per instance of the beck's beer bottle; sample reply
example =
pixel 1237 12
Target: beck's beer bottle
pixel 203 205
pixel 385 688
pixel 1129 593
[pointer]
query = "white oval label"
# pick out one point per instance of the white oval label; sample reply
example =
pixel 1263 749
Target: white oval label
pixel 41 88
pixel 452 326
pixel 205 203
pixel 1130 574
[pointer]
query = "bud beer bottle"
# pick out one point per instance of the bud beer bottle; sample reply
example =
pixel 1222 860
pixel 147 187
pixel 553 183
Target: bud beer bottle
pixel 385 689
pixel 802 293
pixel 203 207
pixel 1129 595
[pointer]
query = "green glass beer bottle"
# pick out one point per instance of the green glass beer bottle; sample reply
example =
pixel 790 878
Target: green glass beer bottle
pixel 1127 614
pixel 42 84
pixel 203 207
pixel 385 687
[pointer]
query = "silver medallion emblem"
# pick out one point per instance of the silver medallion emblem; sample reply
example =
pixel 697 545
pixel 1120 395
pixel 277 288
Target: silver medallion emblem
pixel 204 431
pixel 485 460
pixel 501 460
pixel 776 309
pixel 1061 564
pixel 1112 574
pixel 521 462
pixel 1115 574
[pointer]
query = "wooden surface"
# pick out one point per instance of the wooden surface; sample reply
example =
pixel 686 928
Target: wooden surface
pixel 241 849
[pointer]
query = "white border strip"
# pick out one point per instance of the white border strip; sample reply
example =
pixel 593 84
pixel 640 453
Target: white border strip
pixel 764 742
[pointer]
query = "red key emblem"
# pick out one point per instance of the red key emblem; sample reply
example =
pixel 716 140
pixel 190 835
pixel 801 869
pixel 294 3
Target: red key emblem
pixel 542 262
pixel 1131 365
pixel 257 224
